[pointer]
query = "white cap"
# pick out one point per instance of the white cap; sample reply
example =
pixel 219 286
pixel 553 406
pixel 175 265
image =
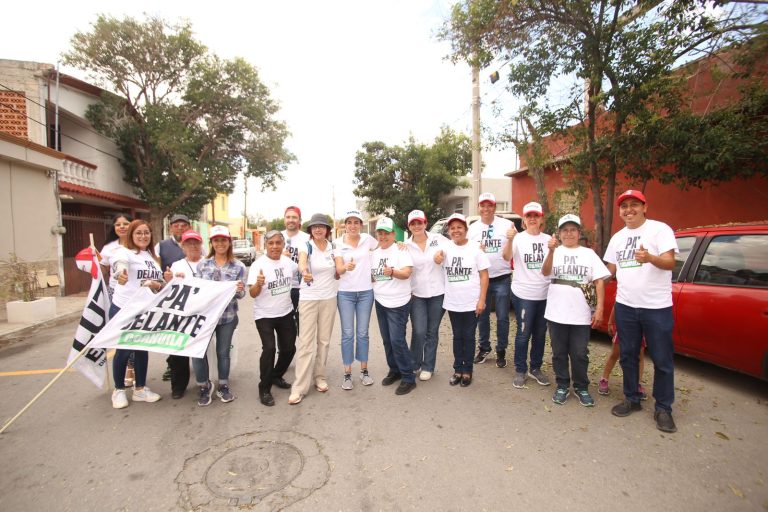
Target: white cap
pixel 456 216
pixel 353 213
pixel 533 207
pixel 417 215
pixel 569 218
pixel 385 224
pixel 219 231
pixel 486 196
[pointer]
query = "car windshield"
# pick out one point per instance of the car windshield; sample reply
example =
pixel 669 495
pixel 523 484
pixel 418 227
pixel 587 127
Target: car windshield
pixel 240 244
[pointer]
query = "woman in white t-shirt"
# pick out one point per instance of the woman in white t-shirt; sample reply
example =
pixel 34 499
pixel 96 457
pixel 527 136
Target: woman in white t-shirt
pixel 428 290
pixel 568 313
pixel 317 307
pixel 192 245
pixel 352 253
pixel 117 237
pixel 465 266
pixel 136 265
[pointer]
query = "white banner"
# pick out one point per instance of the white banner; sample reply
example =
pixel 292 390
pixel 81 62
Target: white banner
pixel 95 314
pixel 179 319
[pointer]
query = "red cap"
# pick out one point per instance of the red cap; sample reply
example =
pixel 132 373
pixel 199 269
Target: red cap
pixel 191 235
pixel 631 193
pixel 294 208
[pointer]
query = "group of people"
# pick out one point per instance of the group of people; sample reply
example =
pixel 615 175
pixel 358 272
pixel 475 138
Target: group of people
pixel 304 278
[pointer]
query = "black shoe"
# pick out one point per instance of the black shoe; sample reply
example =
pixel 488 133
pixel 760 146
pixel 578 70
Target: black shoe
pixel 482 354
pixel 664 421
pixel 501 359
pixel 267 399
pixel 281 383
pixel 390 379
pixel 405 387
pixel 177 393
pixel 625 408
pixel 466 380
pixel 455 379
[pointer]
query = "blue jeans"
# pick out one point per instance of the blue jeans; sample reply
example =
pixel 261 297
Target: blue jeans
pixel 392 322
pixel 224 334
pixel 499 288
pixel 426 315
pixel 355 315
pixel 140 360
pixel 463 324
pixel 530 325
pixel 656 325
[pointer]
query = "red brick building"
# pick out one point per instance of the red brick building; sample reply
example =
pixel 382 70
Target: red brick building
pixel 740 200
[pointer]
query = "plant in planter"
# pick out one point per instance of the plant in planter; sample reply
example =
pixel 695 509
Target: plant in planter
pixel 21 284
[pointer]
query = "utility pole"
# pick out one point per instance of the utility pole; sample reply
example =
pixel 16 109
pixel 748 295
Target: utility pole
pixel 245 205
pixel 476 158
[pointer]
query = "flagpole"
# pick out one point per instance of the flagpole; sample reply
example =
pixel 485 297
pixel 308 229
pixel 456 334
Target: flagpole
pixel 42 392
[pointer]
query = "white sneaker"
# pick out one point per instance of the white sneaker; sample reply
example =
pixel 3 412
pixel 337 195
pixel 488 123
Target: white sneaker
pixel 425 375
pixel 365 378
pixel 119 399
pixel 145 395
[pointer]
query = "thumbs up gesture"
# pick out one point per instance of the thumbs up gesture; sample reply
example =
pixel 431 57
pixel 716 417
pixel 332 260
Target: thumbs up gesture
pixel 642 255
pixel 553 243
pixel 122 278
pixel 439 257
pixel 351 265
pixel 260 279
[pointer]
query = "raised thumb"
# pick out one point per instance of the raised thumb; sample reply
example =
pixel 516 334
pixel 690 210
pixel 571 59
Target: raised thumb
pixel 641 247
pixel 261 272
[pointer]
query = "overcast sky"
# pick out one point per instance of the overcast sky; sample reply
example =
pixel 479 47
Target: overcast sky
pixel 344 73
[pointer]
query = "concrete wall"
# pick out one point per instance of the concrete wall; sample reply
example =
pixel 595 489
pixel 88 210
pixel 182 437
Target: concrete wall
pixel 23 77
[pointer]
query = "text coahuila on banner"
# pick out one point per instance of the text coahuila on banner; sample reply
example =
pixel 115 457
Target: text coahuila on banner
pixel 179 319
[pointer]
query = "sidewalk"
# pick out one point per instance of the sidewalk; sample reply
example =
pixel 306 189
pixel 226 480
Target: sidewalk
pixel 67 308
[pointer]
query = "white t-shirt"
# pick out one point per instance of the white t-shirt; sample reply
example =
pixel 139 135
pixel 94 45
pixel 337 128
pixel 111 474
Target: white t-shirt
pixel 274 301
pixel 106 259
pixel 186 267
pixel 359 280
pixel 389 291
pixel 141 267
pixel 493 239
pixel 427 276
pixel 566 304
pixel 461 274
pixel 293 245
pixel 323 269
pixel 528 253
pixel 642 285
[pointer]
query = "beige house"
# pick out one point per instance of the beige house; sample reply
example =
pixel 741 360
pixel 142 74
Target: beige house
pixel 85 186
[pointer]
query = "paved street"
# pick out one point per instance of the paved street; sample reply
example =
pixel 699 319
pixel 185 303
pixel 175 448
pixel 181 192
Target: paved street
pixel 486 447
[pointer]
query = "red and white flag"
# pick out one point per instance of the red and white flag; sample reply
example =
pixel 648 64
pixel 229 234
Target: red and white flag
pixel 93 364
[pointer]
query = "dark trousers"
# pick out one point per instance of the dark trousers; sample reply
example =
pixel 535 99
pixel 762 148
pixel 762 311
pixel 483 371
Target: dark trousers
pixel 179 366
pixel 285 329
pixel 463 324
pixel 570 343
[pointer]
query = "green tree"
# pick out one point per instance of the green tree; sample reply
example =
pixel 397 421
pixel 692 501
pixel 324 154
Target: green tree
pixel 413 176
pixel 617 56
pixel 186 121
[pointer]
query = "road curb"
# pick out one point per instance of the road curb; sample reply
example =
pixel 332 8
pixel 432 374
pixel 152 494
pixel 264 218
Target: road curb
pixel 23 331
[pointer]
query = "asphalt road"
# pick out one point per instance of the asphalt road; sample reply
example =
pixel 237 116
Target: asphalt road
pixel 486 447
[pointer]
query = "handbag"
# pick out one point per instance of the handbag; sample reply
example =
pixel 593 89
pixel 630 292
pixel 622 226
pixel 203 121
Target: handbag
pixel 589 290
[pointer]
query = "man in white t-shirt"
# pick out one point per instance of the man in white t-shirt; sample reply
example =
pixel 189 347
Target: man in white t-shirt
pixel 495 234
pixel 642 256
pixel 269 283
pixel 529 296
pixel 295 239
pixel 391 272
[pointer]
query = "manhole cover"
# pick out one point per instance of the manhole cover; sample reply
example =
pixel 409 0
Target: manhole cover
pixel 266 470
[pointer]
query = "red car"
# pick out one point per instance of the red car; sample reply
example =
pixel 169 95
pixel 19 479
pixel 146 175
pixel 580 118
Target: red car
pixel 720 296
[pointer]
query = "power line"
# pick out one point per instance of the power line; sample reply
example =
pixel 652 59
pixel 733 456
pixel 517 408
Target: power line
pixel 11 107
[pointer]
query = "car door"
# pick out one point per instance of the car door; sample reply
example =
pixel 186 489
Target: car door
pixel 721 315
